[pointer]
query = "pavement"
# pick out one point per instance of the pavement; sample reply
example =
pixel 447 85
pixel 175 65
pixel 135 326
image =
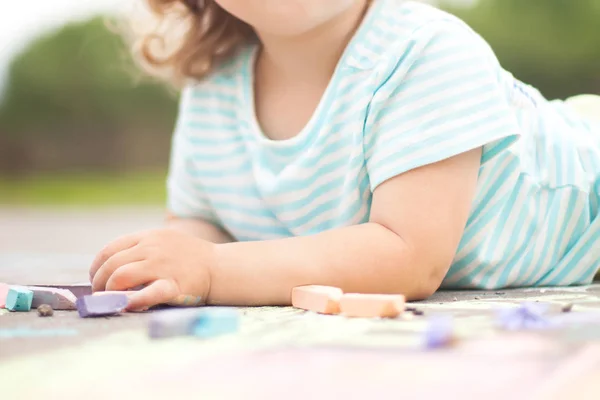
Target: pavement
pixel 80 231
pixel 279 352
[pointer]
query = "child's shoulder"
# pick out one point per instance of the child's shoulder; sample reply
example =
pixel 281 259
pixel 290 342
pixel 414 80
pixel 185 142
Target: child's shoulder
pixel 409 30
pixel 414 21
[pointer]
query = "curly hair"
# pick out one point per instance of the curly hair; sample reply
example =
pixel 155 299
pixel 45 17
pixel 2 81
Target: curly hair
pixel 188 40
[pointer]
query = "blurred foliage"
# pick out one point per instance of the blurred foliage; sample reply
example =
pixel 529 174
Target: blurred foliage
pixel 551 44
pixel 73 95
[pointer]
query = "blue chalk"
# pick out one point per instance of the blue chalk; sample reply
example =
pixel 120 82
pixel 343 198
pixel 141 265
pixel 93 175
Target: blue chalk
pixel 19 299
pixel 171 323
pixel 216 321
pixel 439 332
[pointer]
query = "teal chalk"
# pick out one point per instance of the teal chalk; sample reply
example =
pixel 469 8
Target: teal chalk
pixel 216 321
pixel 19 299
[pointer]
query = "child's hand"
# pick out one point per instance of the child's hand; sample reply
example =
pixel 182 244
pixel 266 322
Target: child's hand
pixel 168 263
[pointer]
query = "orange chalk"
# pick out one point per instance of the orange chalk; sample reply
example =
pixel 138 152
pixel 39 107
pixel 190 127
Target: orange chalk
pixel 372 305
pixel 321 299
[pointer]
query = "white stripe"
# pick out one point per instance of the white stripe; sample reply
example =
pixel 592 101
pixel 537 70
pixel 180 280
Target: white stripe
pixel 230 217
pixel 322 181
pixel 302 172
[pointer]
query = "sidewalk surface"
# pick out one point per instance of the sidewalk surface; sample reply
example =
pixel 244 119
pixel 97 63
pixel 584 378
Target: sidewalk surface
pixel 279 352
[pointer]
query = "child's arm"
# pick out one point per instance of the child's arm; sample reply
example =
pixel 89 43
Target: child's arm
pixel 417 220
pixel 199 228
pixel 416 223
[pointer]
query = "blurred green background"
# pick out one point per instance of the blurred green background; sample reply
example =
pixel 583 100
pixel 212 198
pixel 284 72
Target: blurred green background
pixel 77 127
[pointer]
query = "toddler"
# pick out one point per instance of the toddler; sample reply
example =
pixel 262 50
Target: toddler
pixel 377 146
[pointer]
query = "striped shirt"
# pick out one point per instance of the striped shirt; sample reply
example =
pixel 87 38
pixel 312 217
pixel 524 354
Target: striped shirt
pixel 415 86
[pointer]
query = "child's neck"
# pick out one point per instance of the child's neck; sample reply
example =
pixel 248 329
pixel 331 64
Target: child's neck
pixel 314 55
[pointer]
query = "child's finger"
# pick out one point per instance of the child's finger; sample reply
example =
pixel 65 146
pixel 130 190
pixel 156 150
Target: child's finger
pixel 106 270
pixel 130 276
pixel 158 292
pixel 116 246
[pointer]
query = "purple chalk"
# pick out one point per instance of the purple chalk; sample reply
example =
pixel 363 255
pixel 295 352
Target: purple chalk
pixel 526 316
pixel 440 332
pixel 98 306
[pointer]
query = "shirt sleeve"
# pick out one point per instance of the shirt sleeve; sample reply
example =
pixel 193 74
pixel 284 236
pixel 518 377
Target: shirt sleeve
pixel 442 98
pixel 185 198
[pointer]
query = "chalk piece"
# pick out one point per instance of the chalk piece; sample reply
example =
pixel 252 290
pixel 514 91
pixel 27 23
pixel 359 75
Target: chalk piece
pixel 78 289
pixel 526 316
pixel 19 299
pixel 45 310
pixel 372 305
pixel 126 293
pixel 321 299
pixel 171 323
pixel 98 306
pixel 58 299
pixel 439 332
pixel 216 322
pixel 3 293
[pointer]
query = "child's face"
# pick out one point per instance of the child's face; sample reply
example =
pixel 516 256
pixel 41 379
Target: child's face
pixel 286 17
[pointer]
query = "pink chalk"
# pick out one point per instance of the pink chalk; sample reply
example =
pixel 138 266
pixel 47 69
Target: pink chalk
pixel 58 299
pixel 78 289
pixel 3 293
pixel 321 299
